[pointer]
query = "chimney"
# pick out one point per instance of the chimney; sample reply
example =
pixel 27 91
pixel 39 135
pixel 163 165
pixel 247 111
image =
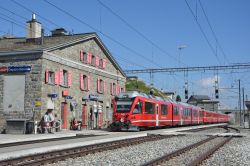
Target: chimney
pixel 34 28
pixel 59 32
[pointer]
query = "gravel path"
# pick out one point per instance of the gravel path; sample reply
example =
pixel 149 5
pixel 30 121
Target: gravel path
pixel 234 153
pixel 133 155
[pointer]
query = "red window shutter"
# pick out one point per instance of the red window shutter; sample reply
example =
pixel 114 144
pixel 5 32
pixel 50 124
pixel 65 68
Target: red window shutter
pixel 97 61
pixel 117 89
pixel 61 77
pixel 46 76
pixel 81 56
pixel 81 81
pixel 98 85
pixel 69 78
pixel 56 77
pixel 88 82
pixel 104 63
pixel 104 87
pixel 89 57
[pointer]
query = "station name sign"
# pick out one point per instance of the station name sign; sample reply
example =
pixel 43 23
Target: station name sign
pixel 15 69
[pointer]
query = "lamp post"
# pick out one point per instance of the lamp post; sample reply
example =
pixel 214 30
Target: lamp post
pixel 180 47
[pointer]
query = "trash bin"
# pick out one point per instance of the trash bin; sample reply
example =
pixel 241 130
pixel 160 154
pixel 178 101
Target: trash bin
pixel 29 127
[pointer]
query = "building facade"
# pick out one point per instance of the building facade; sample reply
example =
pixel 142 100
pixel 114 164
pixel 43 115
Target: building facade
pixel 204 102
pixel 74 76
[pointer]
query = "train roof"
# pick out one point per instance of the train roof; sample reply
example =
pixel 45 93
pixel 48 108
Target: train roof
pixel 132 94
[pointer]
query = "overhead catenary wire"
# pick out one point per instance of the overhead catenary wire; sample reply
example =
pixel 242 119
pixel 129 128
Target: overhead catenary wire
pixel 213 32
pixel 104 34
pixel 203 32
pixel 20 16
pixel 138 32
pixel 32 11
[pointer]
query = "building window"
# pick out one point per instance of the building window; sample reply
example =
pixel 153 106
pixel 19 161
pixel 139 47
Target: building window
pixel 100 84
pixel 164 109
pixel 100 63
pixel 85 82
pixel 51 77
pixel 93 60
pixel 85 57
pixel 114 89
pixel 65 78
pixel 149 108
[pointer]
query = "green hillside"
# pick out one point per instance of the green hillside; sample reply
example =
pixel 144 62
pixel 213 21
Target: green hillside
pixel 136 85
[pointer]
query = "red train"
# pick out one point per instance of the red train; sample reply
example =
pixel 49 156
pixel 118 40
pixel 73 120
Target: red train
pixel 135 111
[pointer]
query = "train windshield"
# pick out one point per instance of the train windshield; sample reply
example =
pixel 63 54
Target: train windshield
pixel 123 106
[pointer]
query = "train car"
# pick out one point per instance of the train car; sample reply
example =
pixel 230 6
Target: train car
pixel 177 117
pixel 196 118
pixel 135 111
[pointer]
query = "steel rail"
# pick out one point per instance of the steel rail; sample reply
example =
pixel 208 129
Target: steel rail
pixel 208 153
pixel 178 152
pixel 59 155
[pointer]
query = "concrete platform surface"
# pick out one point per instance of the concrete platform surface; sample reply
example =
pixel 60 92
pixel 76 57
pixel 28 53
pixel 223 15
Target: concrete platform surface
pixel 24 150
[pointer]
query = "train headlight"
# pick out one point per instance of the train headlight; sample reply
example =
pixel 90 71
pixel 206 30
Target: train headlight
pixel 122 120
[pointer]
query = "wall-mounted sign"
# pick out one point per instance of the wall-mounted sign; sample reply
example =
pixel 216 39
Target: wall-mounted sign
pixel 93 97
pixel 3 69
pixel 65 93
pixel 68 97
pixel 52 95
pixel 18 69
pixel 38 104
pixel 24 68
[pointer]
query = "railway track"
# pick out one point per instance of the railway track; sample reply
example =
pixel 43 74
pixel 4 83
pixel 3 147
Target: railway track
pixel 181 156
pixel 197 152
pixel 52 157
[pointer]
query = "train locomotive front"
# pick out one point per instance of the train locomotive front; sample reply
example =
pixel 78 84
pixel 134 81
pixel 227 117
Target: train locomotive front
pixel 127 112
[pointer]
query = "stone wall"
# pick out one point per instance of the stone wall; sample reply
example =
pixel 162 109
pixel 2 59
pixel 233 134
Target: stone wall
pixel 32 87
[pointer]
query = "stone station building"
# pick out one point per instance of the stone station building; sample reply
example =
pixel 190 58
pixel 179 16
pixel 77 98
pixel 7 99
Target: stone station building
pixel 70 75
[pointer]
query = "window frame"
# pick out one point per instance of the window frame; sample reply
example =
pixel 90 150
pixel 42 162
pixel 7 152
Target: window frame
pixel 139 109
pixel 176 111
pixel 51 77
pixel 165 112
pixel 151 111
pixel 65 78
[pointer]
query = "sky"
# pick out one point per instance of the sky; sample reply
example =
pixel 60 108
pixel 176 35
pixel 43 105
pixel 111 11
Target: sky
pixel 146 34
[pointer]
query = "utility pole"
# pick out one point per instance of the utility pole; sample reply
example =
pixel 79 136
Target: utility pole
pixel 239 101
pixel 243 102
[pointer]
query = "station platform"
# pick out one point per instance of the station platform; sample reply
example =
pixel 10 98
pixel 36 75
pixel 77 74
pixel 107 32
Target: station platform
pixel 100 136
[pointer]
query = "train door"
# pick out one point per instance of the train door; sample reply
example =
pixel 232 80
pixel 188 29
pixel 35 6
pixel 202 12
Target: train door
pixel 137 113
pixel 181 115
pixel 157 115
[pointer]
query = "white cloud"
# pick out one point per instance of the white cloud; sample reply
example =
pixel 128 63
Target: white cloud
pixel 208 82
pixel 205 86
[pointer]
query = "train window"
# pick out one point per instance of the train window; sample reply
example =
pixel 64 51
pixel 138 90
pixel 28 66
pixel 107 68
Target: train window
pixel 123 106
pixel 200 113
pixel 176 112
pixel 164 109
pixel 149 108
pixel 195 112
pixel 138 108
